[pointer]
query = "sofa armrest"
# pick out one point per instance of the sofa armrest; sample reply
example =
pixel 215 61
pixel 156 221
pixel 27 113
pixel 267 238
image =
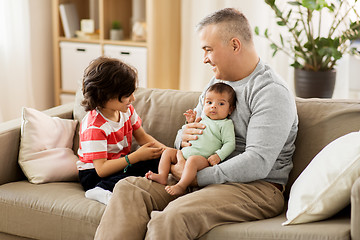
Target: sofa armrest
pixel 10 142
pixel 355 210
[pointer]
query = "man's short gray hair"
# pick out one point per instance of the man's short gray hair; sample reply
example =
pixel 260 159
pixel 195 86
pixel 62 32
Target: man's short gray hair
pixel 235 24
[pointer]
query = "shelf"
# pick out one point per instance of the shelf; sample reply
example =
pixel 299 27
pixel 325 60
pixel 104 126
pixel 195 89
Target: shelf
pixel 98 41
pixel 64 39
pixel 126 43
pixel 162 18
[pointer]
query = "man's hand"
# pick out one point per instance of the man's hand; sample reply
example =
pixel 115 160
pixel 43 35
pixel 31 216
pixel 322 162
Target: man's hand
pixel 191 131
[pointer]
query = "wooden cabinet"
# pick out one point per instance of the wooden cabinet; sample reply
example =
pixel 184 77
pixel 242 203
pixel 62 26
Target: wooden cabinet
pixel 162 44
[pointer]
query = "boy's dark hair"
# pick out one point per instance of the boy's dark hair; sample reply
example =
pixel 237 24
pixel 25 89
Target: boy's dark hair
pixel 223 87
pixel 107 78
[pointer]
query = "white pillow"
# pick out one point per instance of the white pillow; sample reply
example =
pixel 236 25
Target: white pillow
pixel 46 153
pixel 324 187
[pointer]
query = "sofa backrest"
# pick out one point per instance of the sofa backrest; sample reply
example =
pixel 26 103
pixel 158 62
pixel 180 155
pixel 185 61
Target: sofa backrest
pixel 162 111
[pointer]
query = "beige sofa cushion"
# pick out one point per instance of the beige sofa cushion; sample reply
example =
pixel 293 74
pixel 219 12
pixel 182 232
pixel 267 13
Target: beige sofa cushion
pixel 48 211
pixel 335 228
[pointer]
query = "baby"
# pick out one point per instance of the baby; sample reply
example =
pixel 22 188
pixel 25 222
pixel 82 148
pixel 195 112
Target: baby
pixel 214 145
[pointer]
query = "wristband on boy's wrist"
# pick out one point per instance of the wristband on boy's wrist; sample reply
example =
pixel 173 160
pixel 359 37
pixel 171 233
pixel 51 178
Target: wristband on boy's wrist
pixel 128 162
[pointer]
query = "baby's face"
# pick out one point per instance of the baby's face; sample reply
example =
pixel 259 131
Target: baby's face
pixel 217 105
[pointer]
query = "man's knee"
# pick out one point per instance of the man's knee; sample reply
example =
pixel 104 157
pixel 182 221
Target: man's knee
pixel 137 181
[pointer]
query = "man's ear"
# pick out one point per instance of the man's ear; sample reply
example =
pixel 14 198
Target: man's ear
pixel 236 44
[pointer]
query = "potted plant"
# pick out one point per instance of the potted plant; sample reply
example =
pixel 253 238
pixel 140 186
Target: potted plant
pixel 116 31
pixel 314 52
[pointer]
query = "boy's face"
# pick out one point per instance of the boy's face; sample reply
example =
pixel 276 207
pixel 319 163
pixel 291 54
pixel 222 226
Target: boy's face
pixel 122 106
pixel 217 105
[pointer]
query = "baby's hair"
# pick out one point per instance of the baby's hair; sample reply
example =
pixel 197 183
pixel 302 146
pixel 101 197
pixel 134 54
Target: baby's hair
pixel 223 87
pixel 105 79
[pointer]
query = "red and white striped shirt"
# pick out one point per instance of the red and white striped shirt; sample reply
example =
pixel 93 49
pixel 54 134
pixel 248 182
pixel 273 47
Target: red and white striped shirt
pixel 103 138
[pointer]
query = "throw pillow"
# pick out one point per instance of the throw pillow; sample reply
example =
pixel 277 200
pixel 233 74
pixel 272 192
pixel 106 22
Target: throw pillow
pixel 45 148
pixel 324 187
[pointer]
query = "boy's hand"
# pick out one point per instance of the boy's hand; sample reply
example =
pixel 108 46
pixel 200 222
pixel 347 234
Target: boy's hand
pixel 147 151
pixel 214 159
pixel 190 116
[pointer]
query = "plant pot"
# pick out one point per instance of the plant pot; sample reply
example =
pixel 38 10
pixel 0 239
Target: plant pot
pixel 116 34
pixel 310 84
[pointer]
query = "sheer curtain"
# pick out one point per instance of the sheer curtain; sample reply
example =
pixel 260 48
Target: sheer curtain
pixel 25 56
pixel 194 75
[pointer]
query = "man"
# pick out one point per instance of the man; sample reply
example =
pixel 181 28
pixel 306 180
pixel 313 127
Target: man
pixel 249 184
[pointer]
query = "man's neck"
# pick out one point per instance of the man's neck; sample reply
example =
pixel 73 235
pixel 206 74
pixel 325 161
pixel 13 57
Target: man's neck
pixel 246 63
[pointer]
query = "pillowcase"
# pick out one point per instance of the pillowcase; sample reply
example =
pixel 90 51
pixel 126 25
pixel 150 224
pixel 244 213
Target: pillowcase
pixel 324 187
pixel 46 153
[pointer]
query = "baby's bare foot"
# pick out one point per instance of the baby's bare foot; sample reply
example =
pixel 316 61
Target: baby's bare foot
pixel 156 177
pixel 148 174
pixel 175 190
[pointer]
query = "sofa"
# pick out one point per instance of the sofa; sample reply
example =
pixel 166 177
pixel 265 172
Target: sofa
pixel 59 210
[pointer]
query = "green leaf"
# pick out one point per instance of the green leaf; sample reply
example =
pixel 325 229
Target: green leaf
pixel 331 7
pixel 314 4
pixel 337 55
pixel 297 49
pixel 273 46
pixel 266 33
pixel 308 46
pixel 354 51
pixel 282 40
pixel 294 3
pixel 281 23
pixel 257 30
pixel 274 53
pixel 330 51
pixel 270 2
pixel 288 15
pixel 296 64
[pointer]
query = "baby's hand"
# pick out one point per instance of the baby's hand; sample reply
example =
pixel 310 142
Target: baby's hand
pixel 214 159
pixel 190 116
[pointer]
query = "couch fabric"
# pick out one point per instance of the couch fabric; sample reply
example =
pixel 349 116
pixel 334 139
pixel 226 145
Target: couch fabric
pixel 59 210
